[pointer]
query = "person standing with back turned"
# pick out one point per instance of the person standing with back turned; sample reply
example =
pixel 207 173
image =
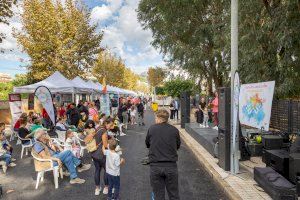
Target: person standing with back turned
pixel 163 141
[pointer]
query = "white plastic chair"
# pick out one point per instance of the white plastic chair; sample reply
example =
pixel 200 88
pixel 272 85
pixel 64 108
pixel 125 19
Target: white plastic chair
pixel 61 135
pixel 81 142
pixel 25 146
pixel 13 134
pixel 40 175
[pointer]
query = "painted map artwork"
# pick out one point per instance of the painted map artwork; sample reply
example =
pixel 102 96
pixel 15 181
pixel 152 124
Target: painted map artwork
pixel 253 109
pixel 255 104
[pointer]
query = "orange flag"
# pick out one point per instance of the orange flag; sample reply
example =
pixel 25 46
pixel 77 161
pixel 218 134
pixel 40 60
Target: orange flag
pixel 104 87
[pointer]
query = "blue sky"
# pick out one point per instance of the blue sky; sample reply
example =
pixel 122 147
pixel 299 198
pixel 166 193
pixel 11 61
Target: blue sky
pixel 123 36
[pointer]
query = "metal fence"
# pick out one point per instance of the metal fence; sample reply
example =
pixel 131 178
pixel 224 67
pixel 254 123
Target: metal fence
pixel 285 116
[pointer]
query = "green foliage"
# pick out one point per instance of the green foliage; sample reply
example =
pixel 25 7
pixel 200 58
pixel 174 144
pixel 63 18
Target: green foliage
pixel 191 35
pixel 269 44
pixel 20 80
pixel 160 90
pixel 155 76
pixel 5 89
pixel 5 13
pixel 58 37
pixel 176 86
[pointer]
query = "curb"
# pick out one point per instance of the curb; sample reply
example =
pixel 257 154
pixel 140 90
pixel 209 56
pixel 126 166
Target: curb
pixel 222 184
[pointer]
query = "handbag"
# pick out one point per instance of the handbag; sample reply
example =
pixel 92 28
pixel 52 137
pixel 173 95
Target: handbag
pixel 90 142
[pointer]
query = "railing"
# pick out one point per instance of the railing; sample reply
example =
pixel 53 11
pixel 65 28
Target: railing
pixel 285 116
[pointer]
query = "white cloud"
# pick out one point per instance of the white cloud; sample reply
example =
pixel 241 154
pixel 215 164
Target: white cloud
pixel 126 38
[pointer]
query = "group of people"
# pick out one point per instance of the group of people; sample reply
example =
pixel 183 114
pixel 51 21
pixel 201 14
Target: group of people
pixel 83 125
pixel 208 112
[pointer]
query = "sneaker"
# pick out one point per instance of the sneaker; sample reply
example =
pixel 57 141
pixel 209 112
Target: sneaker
pixel 4 168
pixel 105 190
pixel 12 164
pixel 84 167
pixel 77 181
pixel 216 128
pixel 200 125
pixel 97 191
pixel 66 173
pixel 122 134
pixel 13 159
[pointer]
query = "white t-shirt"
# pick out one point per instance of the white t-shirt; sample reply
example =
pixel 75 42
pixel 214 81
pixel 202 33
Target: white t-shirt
pixel 113 162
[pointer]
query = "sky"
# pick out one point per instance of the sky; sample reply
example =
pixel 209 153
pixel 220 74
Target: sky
pixel 123 36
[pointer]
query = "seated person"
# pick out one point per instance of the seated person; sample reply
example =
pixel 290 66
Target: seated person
pixel 24 133
pixel 72 143
pixel 102 118
pixel 17 124
pixel 46 150
pixel 60 125
pixel 5 155
pixel 36 125
pixel 5 143
pixel 83 119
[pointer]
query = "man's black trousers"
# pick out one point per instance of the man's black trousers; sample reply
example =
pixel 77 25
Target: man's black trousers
pixel 164 177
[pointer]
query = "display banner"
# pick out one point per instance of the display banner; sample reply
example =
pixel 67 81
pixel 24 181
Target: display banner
pixel 43 94
pixel 31 102
pixel 255 104
pixel 104 104
pixel 15 105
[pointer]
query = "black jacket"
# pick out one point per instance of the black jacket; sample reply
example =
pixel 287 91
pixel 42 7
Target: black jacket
pixel 163 141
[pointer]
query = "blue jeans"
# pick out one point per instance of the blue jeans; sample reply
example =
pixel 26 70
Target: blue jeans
pixel 113 182
pixel 70 161
pixel 7 158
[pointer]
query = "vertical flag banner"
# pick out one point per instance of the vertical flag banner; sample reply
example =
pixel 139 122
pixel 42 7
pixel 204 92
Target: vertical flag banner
pixel 15 105
pixel 255 104
pixel 44 96
pixel 104 102
pixel 104 87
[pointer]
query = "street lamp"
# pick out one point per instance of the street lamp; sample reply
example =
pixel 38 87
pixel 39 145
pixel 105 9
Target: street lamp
pixel 234 164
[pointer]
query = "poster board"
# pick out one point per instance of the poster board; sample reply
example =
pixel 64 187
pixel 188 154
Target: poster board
pixel 15 105
pixel 255 104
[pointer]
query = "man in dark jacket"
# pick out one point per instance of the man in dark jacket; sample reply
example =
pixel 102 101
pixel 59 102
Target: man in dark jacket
pixel 163 141
pixel 73 115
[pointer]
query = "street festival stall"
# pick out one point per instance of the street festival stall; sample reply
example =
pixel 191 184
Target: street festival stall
pixel 66 91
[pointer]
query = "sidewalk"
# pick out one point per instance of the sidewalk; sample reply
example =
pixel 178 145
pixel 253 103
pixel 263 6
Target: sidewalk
pixel 241 186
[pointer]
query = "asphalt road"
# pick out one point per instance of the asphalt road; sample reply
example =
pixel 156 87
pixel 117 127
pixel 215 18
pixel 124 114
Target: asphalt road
pixel 194 182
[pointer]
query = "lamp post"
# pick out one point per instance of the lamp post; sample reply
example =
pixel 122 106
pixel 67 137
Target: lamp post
pixel 234 164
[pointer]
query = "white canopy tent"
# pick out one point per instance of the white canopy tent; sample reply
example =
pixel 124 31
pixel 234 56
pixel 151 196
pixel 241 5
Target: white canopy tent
pixel 56 83
pixel 77 81
pixel 94 86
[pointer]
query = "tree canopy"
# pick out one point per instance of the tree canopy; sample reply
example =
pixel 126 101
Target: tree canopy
pixel 155 76
pixel 176 86
pixel 59 37
pixel 5 13
pixel 195 36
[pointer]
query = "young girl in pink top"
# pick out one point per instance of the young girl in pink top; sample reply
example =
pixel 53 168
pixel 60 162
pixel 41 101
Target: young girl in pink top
pixel 215 106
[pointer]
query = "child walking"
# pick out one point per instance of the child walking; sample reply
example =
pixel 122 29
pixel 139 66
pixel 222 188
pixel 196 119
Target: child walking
pixel 132 115
pixel 113 163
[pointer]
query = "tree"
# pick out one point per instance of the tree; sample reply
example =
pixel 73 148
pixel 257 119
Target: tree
pixel 191 35
pixel 58 37
pixel 155 76
pixel 176 86
pixel 130 80
pixel 111 68
pixel 269 44
pixel 5 13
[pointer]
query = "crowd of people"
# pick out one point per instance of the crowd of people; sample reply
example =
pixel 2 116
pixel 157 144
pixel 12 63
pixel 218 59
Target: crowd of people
pixel 83 126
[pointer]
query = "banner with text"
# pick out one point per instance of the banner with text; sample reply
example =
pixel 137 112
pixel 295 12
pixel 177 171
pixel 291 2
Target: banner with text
pixel 15 105
pixel 255 104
